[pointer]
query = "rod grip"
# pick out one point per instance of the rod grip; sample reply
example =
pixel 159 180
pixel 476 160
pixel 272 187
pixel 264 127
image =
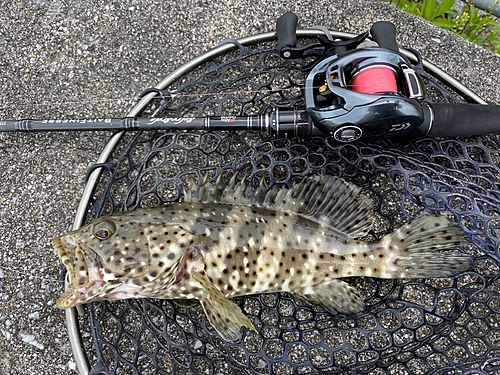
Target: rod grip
pixel 455 119
pixel 286 29
pixel 384 33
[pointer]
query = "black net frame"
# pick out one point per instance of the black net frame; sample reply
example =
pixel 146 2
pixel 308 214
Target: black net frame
pixel 431 326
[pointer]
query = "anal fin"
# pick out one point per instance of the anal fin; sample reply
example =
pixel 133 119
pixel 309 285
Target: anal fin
pixel 335 295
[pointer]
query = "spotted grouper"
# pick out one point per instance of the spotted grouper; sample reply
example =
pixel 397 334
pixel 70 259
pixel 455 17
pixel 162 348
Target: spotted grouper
pixel 230 240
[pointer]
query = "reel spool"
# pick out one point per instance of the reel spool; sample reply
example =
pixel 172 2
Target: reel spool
pixel 375 80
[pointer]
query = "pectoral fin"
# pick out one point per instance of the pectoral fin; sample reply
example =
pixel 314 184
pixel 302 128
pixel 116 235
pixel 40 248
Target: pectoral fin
pixel 335 295
pixel 224 315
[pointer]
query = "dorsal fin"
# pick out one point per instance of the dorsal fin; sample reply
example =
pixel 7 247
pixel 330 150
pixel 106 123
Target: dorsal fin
pixel 328 200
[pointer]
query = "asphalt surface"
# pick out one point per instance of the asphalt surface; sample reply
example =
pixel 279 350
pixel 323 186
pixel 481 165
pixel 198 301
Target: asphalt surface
pixel 91 51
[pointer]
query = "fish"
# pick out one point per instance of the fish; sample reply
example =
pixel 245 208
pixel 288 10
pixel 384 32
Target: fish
pixel 235 239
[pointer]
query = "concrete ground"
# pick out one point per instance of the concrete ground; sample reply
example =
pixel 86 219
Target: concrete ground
pixel 89 51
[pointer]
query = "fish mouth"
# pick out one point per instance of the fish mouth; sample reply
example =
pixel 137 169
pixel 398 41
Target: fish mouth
pixel 84 275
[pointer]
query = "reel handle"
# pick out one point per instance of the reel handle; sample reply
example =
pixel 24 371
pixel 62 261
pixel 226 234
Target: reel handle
pixel 384 33
pixel 286 29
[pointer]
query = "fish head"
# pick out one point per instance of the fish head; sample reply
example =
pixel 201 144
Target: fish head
pixel 115 258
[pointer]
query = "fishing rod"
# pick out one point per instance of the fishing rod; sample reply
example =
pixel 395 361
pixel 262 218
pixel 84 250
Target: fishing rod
pixel 356 89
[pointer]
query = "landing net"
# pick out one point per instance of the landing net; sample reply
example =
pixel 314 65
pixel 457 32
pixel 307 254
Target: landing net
pixel 431 326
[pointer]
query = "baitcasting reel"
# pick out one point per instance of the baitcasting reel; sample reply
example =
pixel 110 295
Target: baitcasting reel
pixel 363 88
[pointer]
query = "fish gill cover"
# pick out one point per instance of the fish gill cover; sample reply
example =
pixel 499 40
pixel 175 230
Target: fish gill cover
pixel 422 326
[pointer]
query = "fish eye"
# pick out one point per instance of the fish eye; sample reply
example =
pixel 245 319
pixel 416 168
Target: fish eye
pixel 104 230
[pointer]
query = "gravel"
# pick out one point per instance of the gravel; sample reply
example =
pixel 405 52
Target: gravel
pixel 91 53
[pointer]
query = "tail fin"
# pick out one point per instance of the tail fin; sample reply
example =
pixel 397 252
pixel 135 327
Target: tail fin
pixel 413 249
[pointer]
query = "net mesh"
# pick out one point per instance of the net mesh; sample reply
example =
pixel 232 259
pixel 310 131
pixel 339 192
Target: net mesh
pixel 425 326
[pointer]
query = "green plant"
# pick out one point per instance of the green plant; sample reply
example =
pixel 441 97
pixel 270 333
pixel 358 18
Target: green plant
pixel 482 29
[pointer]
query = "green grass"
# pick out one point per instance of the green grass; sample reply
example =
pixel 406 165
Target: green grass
pixel 482 29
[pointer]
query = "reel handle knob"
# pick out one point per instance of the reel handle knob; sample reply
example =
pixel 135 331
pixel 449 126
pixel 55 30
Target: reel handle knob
pixel 286 28
pixel 384 33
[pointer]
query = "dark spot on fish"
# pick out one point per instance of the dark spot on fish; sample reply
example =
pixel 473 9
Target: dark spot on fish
pixel 107 270
pixel 299 272
pixel 332 255
pixel 316 268
pixel 206 248
pixel 156 255
pixel 306 241
pixel 171 256
pixel 116 252
pixel 182 245
pixel 336 270
pixel 118 262
pixel 216 242
pixel 361 268
pixel 130 259
pixel 263 233
pixel 365 255
pixel 252 283
pixel 229 287
pixel 342 258
pixel 225 270
pixel 220 282
pixel 287 271
pixel 229 256
pixel 186 276
pixel 304 256
pixel 137 282
pixel 82 268
pixel 322 256
pixel 234 268
pixel 375 270
pixel 381 255
pixel 291 283
pixel 275 238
